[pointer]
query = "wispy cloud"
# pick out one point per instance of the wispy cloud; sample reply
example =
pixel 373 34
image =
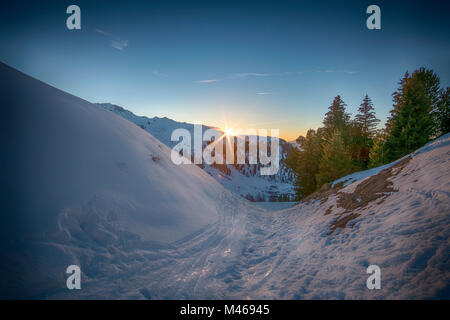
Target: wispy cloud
pixel 239 75
pixel 263 93
pixel 101 32
pixel 336 71
pixel 208 80
pixel 250 74
pixel 120 44
pixel 266 74
pixel 115 42
pixel 157 73
pixel 273 74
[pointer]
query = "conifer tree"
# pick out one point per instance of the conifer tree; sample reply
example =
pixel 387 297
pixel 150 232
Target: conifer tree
pixel 411 125
pixel 305 163
pixel 366 118
pixel 377 154
pixel 363 131
pixel 358 146
pixel 442 113
pixel 336 118
pixel 397 97
pixel 335 161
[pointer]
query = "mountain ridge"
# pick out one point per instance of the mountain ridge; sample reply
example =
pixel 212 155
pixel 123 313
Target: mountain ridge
pixel 244 180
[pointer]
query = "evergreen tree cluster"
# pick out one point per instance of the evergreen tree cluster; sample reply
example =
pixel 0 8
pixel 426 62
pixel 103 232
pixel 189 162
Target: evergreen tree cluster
pixel 421 112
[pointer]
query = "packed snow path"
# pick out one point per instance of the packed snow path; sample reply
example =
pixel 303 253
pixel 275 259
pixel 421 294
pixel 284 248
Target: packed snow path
pixel 212 263
pixel 252 253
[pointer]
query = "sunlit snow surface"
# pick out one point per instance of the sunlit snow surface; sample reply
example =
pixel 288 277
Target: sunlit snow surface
pixel 87 187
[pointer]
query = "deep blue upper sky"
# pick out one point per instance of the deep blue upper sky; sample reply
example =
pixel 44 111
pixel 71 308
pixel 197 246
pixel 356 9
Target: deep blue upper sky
pixel 230 64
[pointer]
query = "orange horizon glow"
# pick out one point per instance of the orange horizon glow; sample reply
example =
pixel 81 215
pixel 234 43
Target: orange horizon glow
pixel 284 134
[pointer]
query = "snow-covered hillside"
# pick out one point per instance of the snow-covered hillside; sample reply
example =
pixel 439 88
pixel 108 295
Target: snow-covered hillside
pixel 396 217
pixel 80 185
pixel 244 180
pixel 78 176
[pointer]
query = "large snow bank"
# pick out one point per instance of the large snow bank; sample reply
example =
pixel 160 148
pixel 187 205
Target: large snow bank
pixel 72 170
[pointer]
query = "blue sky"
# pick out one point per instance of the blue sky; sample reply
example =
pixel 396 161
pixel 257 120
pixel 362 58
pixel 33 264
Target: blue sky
pixel 240 64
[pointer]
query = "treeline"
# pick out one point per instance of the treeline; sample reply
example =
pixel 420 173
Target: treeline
pixel 421 112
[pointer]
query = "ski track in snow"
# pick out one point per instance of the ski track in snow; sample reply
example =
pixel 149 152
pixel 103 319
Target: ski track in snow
pixel 251 253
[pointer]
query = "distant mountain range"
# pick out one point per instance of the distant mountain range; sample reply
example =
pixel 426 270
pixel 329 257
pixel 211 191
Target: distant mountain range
pixel 244 179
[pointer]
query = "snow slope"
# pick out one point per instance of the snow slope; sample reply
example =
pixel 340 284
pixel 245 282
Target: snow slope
pixel 405 231
pixel 361 175
pixel 83 186
pixel 76 172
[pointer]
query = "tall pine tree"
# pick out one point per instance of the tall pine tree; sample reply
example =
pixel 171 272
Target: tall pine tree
pixel 366 118
pixel 397 97
pixel 411 124
pixel 336 118
pixel 362 136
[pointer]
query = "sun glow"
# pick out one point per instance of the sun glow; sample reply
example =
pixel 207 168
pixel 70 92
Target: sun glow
pixel 229 132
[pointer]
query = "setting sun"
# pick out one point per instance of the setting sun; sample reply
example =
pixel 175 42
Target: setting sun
pixel 229 132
